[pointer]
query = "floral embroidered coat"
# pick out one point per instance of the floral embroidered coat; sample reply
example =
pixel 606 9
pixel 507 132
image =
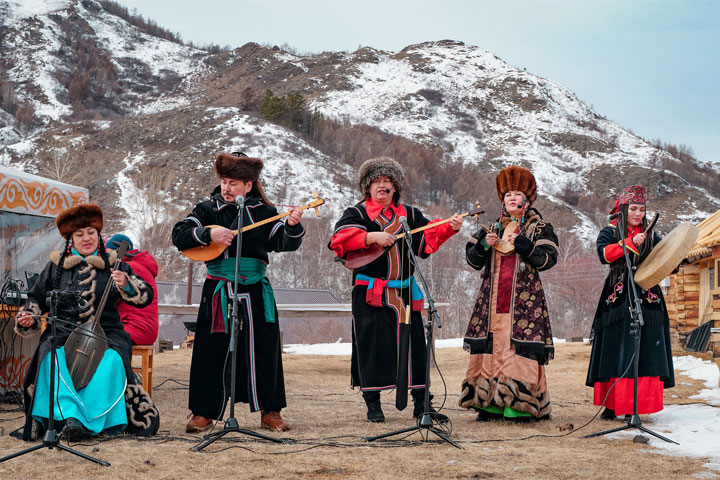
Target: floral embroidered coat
pixel 535 250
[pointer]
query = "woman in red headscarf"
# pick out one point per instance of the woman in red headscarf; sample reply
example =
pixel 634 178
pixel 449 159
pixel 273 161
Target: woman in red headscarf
pixel 610 371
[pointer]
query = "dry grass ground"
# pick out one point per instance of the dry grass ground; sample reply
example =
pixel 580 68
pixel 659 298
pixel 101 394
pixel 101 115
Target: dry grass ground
pixel 328 424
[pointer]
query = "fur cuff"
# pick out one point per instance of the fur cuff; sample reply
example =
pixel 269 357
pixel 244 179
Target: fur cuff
pixel 140 295
pixel 26 332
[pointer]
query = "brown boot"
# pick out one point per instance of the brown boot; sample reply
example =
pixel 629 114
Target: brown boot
pixel 273 421
pixel 197 423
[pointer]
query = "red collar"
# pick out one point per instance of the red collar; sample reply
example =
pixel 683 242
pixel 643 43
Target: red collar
pixel 373 209
pixel 630 230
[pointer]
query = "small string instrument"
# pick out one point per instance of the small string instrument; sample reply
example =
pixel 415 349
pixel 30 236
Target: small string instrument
pixel 85 347
pixel 206 253
pixel 359 258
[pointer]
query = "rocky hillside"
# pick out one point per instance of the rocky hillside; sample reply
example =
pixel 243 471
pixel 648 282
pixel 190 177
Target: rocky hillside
pixel 88 98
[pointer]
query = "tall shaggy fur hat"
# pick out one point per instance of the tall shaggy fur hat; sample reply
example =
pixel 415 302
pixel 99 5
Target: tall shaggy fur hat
pixel 238 166
pixel 375 168
pixel 79 216
pixel 516 178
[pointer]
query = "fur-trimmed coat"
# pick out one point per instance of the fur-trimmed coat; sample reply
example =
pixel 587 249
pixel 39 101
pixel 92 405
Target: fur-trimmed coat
pixel 536 249
pixel 81 283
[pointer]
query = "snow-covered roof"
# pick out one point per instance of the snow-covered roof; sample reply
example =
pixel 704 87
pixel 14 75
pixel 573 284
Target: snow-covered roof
pixel 708 237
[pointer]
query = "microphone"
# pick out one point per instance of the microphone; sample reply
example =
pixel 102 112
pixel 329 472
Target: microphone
pixel 387 190
pixel 615 215
pixel 403 222
pixel 240 201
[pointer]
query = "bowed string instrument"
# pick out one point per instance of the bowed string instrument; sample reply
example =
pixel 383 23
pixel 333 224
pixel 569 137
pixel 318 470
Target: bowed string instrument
pixel 86 345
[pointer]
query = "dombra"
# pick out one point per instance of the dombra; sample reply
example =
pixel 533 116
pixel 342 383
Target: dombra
pixel 503 245
pixel 85 347
pixel 666 255
pixel 359 258
pixel 206 253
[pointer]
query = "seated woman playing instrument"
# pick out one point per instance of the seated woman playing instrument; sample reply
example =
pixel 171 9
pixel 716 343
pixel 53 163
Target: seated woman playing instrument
pixel 111 401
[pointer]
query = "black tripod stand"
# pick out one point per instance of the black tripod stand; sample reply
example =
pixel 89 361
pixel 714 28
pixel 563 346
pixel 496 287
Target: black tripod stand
pixel 635 307
pixel 237 321
pixel 51 439
pixel 425 422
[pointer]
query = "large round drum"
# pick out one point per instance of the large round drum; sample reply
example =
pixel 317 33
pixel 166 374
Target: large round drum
pixel 666 255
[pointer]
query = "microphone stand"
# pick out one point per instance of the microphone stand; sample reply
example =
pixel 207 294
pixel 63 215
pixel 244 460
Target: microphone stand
pixel 635 307
pixel 237 320
pixel 51 439
pixel 425 422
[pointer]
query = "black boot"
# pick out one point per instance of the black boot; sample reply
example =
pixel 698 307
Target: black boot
pixel 419 408
pixel 374 410
pixel 75 431
pixel 607 414
pixel 485 416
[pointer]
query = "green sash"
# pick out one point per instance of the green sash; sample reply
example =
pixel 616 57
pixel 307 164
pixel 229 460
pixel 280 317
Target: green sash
pixel 250 271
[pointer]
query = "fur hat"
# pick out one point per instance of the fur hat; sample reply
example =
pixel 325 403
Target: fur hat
pixel 79 216
pixel 516 178
pixel 238 167
pixel 375 168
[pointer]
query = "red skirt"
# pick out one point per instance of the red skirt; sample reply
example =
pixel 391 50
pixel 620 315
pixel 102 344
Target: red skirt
pixel 620 398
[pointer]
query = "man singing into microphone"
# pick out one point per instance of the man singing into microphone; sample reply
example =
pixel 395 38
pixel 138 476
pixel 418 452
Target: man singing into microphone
pixel 259 379
pixel 385 287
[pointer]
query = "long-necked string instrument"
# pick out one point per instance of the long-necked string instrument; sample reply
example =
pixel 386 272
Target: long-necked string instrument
pixel 206 253
pixel 85 347
pixel 359 258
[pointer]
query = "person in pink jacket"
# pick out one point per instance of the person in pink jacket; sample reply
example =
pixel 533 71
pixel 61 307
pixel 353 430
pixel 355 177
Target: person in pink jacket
pixel 140 323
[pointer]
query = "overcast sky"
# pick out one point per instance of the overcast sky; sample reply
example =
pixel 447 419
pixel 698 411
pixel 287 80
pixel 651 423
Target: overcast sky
pixel 652 66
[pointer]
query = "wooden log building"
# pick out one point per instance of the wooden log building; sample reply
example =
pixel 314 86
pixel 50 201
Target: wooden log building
pixel 693 298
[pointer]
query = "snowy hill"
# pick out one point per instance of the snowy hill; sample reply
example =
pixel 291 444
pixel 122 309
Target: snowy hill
pixel 139 119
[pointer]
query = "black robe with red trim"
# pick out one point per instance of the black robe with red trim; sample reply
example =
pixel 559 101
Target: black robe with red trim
pixel 375 332
pixel 613 345
pixel 259 380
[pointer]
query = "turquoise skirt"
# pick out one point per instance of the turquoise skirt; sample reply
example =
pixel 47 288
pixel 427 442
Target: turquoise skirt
pixel 99 406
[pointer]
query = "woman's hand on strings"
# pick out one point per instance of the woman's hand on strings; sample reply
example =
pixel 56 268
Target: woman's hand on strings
pixel 26 319
pixel 119 278
pixel 491 239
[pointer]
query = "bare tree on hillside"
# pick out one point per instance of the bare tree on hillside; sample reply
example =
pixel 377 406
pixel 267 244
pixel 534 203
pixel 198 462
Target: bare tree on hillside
pixel 157 216
pixel 61 162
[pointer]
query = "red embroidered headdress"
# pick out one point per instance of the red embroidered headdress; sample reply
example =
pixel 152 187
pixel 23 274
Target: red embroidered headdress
pixel 635 194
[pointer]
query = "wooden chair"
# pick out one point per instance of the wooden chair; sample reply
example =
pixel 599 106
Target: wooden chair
pixel 146 366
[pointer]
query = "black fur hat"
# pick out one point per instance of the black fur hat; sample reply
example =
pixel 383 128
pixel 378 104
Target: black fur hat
pixel 375 168
pixel 238 166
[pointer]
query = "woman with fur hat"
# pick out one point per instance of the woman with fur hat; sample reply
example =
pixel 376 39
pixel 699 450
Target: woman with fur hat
pixel 81 272
pixel 260 381
pixel 385 287
pixel 509 335
pixel 613 345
